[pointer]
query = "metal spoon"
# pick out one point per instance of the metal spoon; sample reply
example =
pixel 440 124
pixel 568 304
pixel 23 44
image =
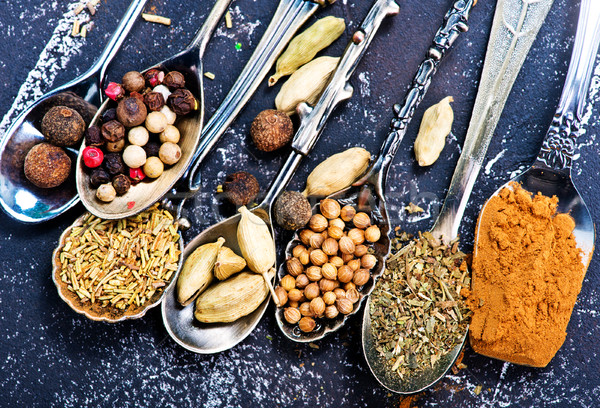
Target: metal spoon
pixel 143 195
pixel 211 338
pixel 507 48
pixel 18 197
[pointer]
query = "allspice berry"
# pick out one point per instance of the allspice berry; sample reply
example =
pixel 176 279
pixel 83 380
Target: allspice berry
pixel 292 210
pixel 131 112
pixel 63 126
pixel 133 81
pixel 241 188
pixel 47 166
pixel 271 130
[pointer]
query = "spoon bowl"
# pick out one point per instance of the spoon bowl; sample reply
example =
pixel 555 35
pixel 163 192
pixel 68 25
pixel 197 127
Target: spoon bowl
pixel 19 198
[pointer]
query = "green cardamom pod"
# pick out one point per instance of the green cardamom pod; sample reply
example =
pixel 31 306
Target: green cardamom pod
pixel 305 46
pixel 435 126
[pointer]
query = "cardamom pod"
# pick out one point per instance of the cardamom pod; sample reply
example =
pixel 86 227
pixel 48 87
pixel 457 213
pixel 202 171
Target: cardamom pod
pixel 228 263
pixel 337 172
pixel 197 273
pixel 306 84
pixel 256 244
pixel 306 45
pixel 232 298
pixel 435 126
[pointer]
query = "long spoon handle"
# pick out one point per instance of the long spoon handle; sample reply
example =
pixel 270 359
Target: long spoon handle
pixel 559 145
pixel 455 22
pixel 339 89
pixel 516 24
pixel 204 34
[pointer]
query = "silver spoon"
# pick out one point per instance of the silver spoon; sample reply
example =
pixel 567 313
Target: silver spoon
pixel 18 197
pixel 212 338
pixel 507 49
pixel 144 194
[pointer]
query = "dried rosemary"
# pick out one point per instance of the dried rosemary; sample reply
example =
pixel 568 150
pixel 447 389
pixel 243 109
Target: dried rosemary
pixel 417 312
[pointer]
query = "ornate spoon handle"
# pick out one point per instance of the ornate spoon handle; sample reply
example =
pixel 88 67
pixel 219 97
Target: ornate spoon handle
pixel 559 145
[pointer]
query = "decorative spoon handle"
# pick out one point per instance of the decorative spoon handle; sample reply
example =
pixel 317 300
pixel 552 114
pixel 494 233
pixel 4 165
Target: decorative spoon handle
pixel 559 145
pixel 455 22
pixel 288 18
pixel 339 89
pixel 516 24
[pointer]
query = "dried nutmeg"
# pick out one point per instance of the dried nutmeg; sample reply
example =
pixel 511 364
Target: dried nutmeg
pixel 307 324
pixel 154 101
pixel 121 184
pixel 292 315
pixel 63 126
pixel 271 130
pixel 131 112
pixel 292 210
pixel 93 136
pixel 240 188
pixel 133 81
pixel 174 80
pixel 113 131
pixel 182 102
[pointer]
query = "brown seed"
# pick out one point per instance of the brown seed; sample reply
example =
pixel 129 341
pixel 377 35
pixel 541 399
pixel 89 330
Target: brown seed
pixel 312 291
pixel 281 295
pixel 330 208
pixel 298 250
pixel 292 303
pixel 347 257
pixel 357 236
pixel 317 306
pixel 313 273
pixel 345 274
pixel 339 293
pixel 292 315
pixel 331 312
pixel 294 267
pixel 347 213
pixel 352 295
pixel 337 222
pixel 346 246
pixel 330 246
pixel 304 258
pixel 372 234
pixel 318 223
pixel 335 232
pixel 360 250
pixel 329 298
pixel 344 306
pixel 349 285
pixel 326 285
pixel 354 264
pixel 288 282
pixel 368 261
pixel 329 271
pixel 305 309
pixel 336 261
pixel 361 220
pixel 307 324
pixel 318 257
pixel 305 235
pixel 316 241
pixel 301 281
pixel 361 277
pixel 295 295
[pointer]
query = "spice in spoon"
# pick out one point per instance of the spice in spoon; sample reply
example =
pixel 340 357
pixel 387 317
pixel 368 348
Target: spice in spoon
pixel 417 312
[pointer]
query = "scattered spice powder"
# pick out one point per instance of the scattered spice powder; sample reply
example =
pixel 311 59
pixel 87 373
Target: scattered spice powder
pixel 417 312
pixel 527 273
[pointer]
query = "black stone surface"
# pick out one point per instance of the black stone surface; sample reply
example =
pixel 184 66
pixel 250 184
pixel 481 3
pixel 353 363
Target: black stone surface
pixel 51 356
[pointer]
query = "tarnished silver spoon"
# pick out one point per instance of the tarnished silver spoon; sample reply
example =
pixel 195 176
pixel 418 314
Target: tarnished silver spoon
pixel 212 338
pixel 18 197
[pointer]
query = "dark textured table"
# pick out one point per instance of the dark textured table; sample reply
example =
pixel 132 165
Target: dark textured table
pixel 51 356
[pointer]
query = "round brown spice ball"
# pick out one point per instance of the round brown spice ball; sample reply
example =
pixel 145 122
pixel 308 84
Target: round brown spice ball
pixel 63 126
pixel 131 112
pixel 47 166
pixel 271 130
pixel 292 210
pixel 241 188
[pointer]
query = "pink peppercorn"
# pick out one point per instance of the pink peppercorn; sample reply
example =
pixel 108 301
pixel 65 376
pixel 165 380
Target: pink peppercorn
pixel 136 174
pixel 114 91
pixel 92 157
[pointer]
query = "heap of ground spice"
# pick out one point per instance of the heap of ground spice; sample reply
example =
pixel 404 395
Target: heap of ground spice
pixel 527 272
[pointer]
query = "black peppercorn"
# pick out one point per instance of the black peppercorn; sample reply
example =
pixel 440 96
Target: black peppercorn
pixel 121 183
pixel 151 149
pixel 99 176
pixel 113 131
pixel 133 81
pixel 113 162
pixel 93 136
pixel 154 100
pixel 63 126
pixel 131 112
pixel 109 114
pixel 240 188
pixel 174 80
pixel 182 102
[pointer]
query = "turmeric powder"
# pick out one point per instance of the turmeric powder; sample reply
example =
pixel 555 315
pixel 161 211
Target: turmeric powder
pixel 526 275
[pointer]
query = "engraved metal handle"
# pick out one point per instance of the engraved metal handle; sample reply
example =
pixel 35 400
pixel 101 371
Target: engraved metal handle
pixel 455 22
pixel 559 145
pixel 288 18
pixel 339 89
